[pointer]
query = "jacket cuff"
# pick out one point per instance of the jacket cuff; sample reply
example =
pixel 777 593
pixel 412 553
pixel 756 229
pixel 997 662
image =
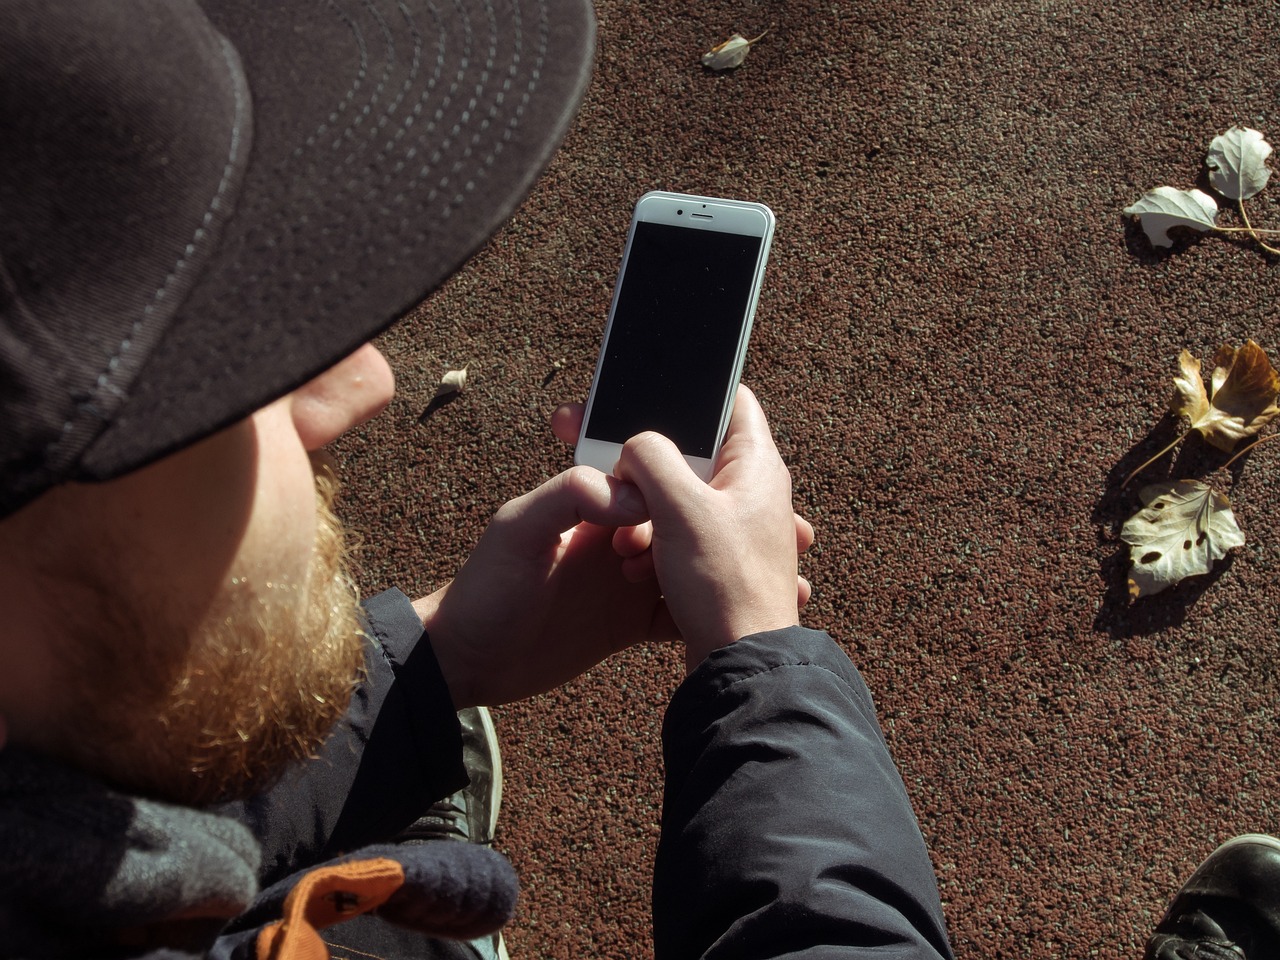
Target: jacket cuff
pixel 760 653
pixel 433 719
pixel 412 756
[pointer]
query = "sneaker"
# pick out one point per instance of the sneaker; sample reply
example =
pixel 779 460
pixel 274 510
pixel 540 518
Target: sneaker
pixel 1229 909
pixel 471 814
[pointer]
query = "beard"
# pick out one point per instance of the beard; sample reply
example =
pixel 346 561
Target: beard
pixel 221 713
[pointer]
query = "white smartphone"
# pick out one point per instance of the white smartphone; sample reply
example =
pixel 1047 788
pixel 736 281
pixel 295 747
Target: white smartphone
pixel 678 328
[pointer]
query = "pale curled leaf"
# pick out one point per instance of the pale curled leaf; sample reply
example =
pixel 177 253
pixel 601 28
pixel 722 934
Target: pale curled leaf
pixel 1182 528
pixel 1163 208
pixel 730 54
pixel 452 382
pixel 1237 163
pixel 1240 399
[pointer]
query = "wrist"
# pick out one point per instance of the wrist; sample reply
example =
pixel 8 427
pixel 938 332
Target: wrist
pixel 701 647
pixel 440 636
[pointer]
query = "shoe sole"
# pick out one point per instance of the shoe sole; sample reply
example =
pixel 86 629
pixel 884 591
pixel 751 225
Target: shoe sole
pixel 1245 839
pixel 1262 839
pixel 491 737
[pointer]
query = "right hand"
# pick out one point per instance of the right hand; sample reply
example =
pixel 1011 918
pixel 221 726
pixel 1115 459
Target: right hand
pixel 726 552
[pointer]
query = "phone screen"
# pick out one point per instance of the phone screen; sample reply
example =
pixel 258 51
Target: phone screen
pixel 673 341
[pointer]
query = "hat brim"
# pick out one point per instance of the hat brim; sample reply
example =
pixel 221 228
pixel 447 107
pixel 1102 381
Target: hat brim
pixel 389 143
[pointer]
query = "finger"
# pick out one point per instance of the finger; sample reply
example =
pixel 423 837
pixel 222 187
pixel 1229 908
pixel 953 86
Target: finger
pixel 804 534
pixel 566 422
pixel 655 465
pixel 662 627
pixel 639 568
pixel 804 590
pixel 579 494
pixel 748 433
pixel 633 541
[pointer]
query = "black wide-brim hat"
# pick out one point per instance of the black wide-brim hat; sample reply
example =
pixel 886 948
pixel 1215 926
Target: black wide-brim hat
pixel 202 206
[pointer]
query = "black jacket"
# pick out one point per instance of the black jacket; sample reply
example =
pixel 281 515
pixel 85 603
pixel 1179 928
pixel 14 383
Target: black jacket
pixel 786 830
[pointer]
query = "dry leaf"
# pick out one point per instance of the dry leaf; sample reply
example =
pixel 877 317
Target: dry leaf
pixel 1240 400
pixel 1182 528
pixel 452 382
pixel 730 54
pixel 1237 162
pixel 1165 207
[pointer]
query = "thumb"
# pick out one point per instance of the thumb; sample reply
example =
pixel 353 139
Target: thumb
pixel 655 465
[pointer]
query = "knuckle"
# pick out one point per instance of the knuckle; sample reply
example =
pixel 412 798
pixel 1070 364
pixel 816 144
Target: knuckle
pixel 580 480
pixel 643 441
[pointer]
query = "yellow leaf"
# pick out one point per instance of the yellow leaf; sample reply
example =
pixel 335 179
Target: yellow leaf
pixel 1182 528
pixel 1240 400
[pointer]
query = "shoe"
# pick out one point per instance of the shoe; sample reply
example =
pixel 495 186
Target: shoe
pixel 471 814
pixel 1229 909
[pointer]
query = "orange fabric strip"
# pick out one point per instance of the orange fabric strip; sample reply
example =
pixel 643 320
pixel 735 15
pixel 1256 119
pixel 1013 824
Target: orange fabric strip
pixel 323 897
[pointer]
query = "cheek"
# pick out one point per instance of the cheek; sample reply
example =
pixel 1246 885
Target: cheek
pixel 282 525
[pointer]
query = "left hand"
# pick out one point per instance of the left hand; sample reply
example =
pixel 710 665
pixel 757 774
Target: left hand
pixel 543 597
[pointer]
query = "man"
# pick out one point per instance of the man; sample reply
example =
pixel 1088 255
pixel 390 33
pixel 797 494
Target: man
pixel 207 746
pixel 210 747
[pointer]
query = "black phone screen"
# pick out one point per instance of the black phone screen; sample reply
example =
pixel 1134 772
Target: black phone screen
pixel 674 338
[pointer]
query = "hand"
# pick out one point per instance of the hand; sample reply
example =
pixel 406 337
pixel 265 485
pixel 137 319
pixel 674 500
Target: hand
pixel 543 597
pixel 725 553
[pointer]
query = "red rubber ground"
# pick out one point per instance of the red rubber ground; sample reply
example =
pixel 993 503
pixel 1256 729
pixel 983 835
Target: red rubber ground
pixel 963 345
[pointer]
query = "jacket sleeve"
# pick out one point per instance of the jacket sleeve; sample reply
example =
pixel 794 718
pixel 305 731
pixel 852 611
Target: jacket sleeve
pixel 786 829
pixel 397 751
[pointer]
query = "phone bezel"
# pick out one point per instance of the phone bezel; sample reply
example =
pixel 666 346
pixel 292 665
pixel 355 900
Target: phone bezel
pixel 740 217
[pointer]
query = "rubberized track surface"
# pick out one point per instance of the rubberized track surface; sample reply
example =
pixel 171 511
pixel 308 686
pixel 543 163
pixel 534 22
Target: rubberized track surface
pixel 962 347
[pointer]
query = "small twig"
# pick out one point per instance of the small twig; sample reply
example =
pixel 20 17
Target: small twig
pixel 1138 470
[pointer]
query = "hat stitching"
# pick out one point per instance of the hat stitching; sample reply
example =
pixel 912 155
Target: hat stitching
pixel 389 39
pixel 478 91
pixel 512 124
pixel 349 131
pixel 518 113
pixel 480 88
pixel 339 277
pixel 356 83
pixel 103 383
pixel 415 112
pixel 494 106
pixel 415 67
pixel 268 234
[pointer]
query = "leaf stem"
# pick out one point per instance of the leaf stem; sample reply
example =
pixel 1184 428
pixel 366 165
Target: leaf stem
pixel 1271 436
pixel 1252 232
pixel 1138 470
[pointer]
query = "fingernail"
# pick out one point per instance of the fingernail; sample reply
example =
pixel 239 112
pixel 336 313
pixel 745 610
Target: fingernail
pixel 628 497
